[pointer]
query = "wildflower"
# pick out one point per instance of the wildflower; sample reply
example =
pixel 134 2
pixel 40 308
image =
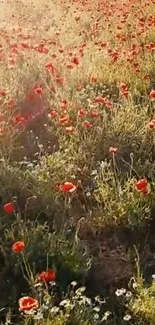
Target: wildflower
pixel 123 86
pixel 152 93
pixel 73 283
pixel 81 112
pixel 142 186
pixel 64 120
pixel 11 104
pixel 18 246
pixel 127 317
pixel 59 80
pixel 128 295
pixel 106 315
pixel 64 302
pixel 94 79
pixel 47 276
pixel 70 129
pixel 99 300
pixel 28 303
pixel 38 316
pixel 86 124
pixel 94 114
pixel 100 100
pixel 80 291
pixel 3 92
pixel 9 208
pixel 135 285
pixel 38 91
pixel 120 292
pixel 19 119
pixel 53 114
pixel 96 316
pixel 96 309
pixel 50 67
pixel 151 125
pixel 113 150
pixel 54 310
pixel 76 60
pixel 67 187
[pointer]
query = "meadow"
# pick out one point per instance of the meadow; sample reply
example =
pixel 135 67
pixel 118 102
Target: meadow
pixel 77 162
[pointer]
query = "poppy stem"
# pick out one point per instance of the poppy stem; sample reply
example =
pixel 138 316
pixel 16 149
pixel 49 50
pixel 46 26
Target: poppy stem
pixel 115 173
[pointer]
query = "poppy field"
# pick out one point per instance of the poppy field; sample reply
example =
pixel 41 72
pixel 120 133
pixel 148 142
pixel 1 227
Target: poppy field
pixel 77 162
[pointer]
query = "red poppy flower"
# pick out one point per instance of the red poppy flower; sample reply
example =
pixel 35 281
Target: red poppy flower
pixel 113 150
pixel 25 45
pixel 94 79
pixel 100 100
pixel 12 104
pixel 59 80
pixel 28 303
pixel 94 114
pixel 18 246
pixel 70 129
pixel 123 86
pixel 76 60
pixel 50 67
pixel 19 119
pixel 38 91
pixel 87 124
pixel 9 208
pixel 53 114
pixel 82 112
pixel 151 125
pixel 142 186
pixel 47 276
pixel 152 93
pixel 2 117
pixel 64 120
pixel 3 92
pixel 125 94
pixel 67 187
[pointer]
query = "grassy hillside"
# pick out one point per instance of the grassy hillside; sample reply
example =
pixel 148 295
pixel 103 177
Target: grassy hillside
pixel 77 162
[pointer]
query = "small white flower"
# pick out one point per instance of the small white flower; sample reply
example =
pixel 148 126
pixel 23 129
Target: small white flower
pixel 80 291
pixel 63 302
pixel 127 317
pixel 97 309
pixel 88 194
pixel 134 285
pixel 73 283
pixel 120 292
pixel 94 172
pixel 128 294
pixel 106 315
pixel 99 300
pixel 96 316
pixel 54 310
pixel 39 284
pixel 53 283
pixel 38 316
